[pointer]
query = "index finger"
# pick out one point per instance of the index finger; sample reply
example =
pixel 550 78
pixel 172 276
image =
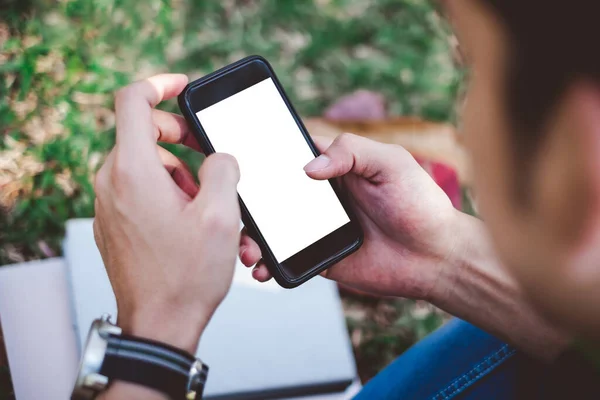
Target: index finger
pixel 133 109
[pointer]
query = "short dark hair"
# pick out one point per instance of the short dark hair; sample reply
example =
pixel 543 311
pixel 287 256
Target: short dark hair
pixel 552 45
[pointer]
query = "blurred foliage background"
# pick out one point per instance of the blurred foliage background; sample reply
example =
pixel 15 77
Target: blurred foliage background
pixel 60 62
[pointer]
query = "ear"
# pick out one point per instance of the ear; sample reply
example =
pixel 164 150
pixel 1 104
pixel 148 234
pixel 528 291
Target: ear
pixel 566 176
pixel 567 204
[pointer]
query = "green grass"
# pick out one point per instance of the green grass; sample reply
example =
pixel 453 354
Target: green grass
pixel 61 61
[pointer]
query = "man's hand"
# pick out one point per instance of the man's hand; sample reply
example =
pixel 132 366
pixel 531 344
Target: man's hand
pixel 408 221
pixel 168 246
pixel 417 245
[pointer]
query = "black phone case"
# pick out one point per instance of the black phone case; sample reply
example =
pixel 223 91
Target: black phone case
pixel 274 268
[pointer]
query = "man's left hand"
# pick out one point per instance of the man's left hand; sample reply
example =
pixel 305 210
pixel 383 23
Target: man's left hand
pixel 168 246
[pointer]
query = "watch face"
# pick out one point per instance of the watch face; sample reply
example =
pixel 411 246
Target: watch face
pixel 89 382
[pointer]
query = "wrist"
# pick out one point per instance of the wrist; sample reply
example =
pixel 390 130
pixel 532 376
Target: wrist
pixel 460 251
pixel 174 327
pixel 473 282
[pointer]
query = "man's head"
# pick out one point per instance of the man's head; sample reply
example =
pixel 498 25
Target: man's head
pixel 532 123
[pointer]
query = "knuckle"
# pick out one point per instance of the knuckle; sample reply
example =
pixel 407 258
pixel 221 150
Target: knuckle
pixel 396 149
pixel 95 227
pixel 122 173
pixel 225 160
pixel 218 220
pixel 97 234
pixel 122 188
pixel 121 94
pixel 96 207
pixel 393 146
pixel 100 182
pixel 345 140
pixel 226 164
pixel 124 93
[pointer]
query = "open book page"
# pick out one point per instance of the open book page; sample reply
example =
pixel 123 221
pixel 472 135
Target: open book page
pixel 38 330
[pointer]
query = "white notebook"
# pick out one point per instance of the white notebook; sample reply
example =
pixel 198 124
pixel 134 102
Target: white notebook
pixel 38 329
pixel 263 342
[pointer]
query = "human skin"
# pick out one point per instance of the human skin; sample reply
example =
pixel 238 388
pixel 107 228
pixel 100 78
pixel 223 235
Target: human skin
pixel 550 241
pixel 528 275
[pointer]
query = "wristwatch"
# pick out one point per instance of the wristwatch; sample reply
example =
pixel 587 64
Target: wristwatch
pixel 110 355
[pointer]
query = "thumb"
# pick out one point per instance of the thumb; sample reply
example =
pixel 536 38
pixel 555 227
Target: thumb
pixel 350 154
pixel 219 176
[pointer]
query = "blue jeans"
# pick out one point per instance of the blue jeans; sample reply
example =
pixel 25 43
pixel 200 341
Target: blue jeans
pixel 462 362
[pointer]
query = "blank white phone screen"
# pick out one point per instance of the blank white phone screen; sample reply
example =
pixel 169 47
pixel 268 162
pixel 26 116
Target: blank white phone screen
pixel 291 210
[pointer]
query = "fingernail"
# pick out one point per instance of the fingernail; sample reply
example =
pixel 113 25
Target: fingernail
pixel 318 163
pixel 243 250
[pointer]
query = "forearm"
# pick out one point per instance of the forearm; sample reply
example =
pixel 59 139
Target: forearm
pixel 475 287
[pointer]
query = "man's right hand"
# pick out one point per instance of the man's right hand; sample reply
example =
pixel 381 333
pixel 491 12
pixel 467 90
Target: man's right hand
pixel 408 221
pixel 418 246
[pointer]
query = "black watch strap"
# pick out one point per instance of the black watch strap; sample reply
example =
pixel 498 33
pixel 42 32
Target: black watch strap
pixel 154 365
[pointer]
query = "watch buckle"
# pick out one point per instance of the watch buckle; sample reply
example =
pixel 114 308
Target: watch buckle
pixel 197 376
pixel 95 382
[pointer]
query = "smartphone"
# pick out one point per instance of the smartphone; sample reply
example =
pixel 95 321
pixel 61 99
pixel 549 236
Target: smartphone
pixel 301 225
